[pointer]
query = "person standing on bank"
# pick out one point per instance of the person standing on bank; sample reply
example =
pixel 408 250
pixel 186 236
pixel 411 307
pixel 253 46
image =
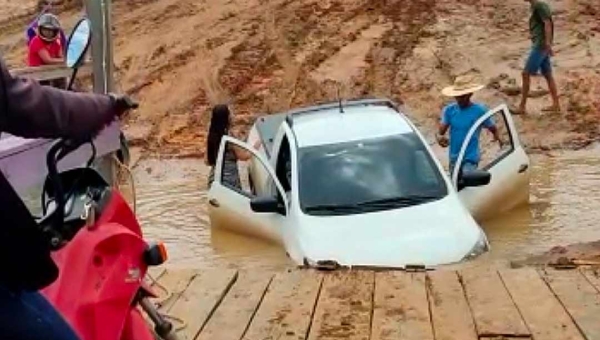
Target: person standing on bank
pixel 541 29
pixel 459 117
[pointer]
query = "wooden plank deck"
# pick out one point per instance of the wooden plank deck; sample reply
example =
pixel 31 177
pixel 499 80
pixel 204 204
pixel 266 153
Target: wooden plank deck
pixel 479 304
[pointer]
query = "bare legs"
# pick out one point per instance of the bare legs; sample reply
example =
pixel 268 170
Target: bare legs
pixel 553 91
pixel 551 87
pixel 525 92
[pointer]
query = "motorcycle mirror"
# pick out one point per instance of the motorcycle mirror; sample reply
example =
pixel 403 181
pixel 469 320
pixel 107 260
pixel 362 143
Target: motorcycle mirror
pixel 78 43
pixel 77 46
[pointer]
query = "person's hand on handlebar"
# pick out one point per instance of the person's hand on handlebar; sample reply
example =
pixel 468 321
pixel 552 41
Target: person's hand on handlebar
pixel 123 103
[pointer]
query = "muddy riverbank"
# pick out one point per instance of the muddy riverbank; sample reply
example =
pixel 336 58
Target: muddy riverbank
pixel 265 56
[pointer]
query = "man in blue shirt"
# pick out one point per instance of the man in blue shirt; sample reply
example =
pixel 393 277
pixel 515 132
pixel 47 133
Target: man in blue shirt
pixel 459 117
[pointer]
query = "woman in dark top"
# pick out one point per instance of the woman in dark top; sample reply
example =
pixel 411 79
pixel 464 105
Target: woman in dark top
pixel 220 124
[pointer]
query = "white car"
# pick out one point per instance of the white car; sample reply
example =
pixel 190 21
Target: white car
pixel 356 184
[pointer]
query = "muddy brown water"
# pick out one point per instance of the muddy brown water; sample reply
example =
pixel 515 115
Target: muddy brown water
pixel 171 199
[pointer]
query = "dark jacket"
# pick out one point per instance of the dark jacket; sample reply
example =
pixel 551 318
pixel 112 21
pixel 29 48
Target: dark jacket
pixel 33 111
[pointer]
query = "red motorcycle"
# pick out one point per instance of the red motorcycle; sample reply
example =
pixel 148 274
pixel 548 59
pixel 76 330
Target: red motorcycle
pixel 102 256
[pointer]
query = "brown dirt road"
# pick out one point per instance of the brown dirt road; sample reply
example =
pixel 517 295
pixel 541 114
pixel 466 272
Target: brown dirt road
pixel 178 57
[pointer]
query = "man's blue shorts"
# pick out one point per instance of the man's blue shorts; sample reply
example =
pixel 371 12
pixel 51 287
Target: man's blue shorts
pixel 537 61
pixel 466 166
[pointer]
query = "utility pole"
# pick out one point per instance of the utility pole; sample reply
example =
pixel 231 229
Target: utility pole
pixel 99 12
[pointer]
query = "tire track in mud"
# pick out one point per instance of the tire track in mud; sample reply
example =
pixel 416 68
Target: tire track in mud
pixel 192 66
pixel 270 70
pixel 410 20
pixel 298 88
pixel 267 56
pixel 300 43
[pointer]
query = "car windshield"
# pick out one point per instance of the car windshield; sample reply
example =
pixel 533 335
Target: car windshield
pixel 368 175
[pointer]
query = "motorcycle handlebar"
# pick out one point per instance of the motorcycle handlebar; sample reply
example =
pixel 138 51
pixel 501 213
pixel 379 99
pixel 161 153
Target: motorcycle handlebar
pixel 124 103
pixel 130 103
pixel 57 152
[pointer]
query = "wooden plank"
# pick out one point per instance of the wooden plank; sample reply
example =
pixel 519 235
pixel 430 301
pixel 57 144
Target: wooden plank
pixel 287 308
pixel 344 307
pixel 450 312
pixel 593 276
pixel 401 310
pixel 580 299
pixel 201 298
pixel 50 72
pixel 171 286
pixel 505 338
pixel 544 315
pixel 231 319
pixel 493 309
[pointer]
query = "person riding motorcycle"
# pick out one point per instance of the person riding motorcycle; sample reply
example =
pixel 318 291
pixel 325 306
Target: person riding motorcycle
pixel 46 47
pixel 32 111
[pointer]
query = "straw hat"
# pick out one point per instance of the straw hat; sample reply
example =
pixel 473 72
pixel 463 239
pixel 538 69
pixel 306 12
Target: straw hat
pixel 462 85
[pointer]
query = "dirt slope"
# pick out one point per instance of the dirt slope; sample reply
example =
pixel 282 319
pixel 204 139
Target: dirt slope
pixel 181 56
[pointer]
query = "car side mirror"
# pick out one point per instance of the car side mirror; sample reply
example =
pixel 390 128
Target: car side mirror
pixel 474 178
pixel 267 205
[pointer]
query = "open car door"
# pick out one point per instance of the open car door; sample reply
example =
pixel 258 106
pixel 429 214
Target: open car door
pixel 508 166
pixel 230 199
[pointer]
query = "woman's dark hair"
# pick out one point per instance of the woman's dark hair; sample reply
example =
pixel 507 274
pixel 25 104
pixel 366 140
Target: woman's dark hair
pixel 219 126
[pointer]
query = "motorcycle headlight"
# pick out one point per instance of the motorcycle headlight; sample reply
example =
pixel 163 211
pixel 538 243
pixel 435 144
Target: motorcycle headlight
pixel 481 246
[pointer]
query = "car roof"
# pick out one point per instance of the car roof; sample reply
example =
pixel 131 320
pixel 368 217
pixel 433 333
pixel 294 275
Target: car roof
pixel 356 122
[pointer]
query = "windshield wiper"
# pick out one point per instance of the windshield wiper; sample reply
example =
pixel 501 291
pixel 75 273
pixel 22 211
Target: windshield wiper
pixel 400 201
pixel 335 208
pixel 404 201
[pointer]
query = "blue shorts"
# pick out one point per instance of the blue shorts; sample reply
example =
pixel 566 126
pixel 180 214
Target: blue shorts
pixel 537 61
pixel 466 166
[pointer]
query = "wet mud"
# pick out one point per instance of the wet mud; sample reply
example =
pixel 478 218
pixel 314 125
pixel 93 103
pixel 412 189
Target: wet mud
pixel 179 57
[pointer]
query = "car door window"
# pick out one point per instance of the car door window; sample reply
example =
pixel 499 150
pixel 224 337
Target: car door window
pixel 507 165
pixel 283 168
pixel 238 175
pixel 491 151
pixel 242 208
pixel 232 174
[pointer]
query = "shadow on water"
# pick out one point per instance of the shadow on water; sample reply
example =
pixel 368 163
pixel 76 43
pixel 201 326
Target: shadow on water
pixel 172 207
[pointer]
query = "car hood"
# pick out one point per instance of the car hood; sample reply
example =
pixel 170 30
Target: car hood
pixel 430 234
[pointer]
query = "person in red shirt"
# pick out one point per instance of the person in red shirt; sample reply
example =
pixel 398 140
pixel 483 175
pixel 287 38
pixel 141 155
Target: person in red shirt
pixel 46 48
